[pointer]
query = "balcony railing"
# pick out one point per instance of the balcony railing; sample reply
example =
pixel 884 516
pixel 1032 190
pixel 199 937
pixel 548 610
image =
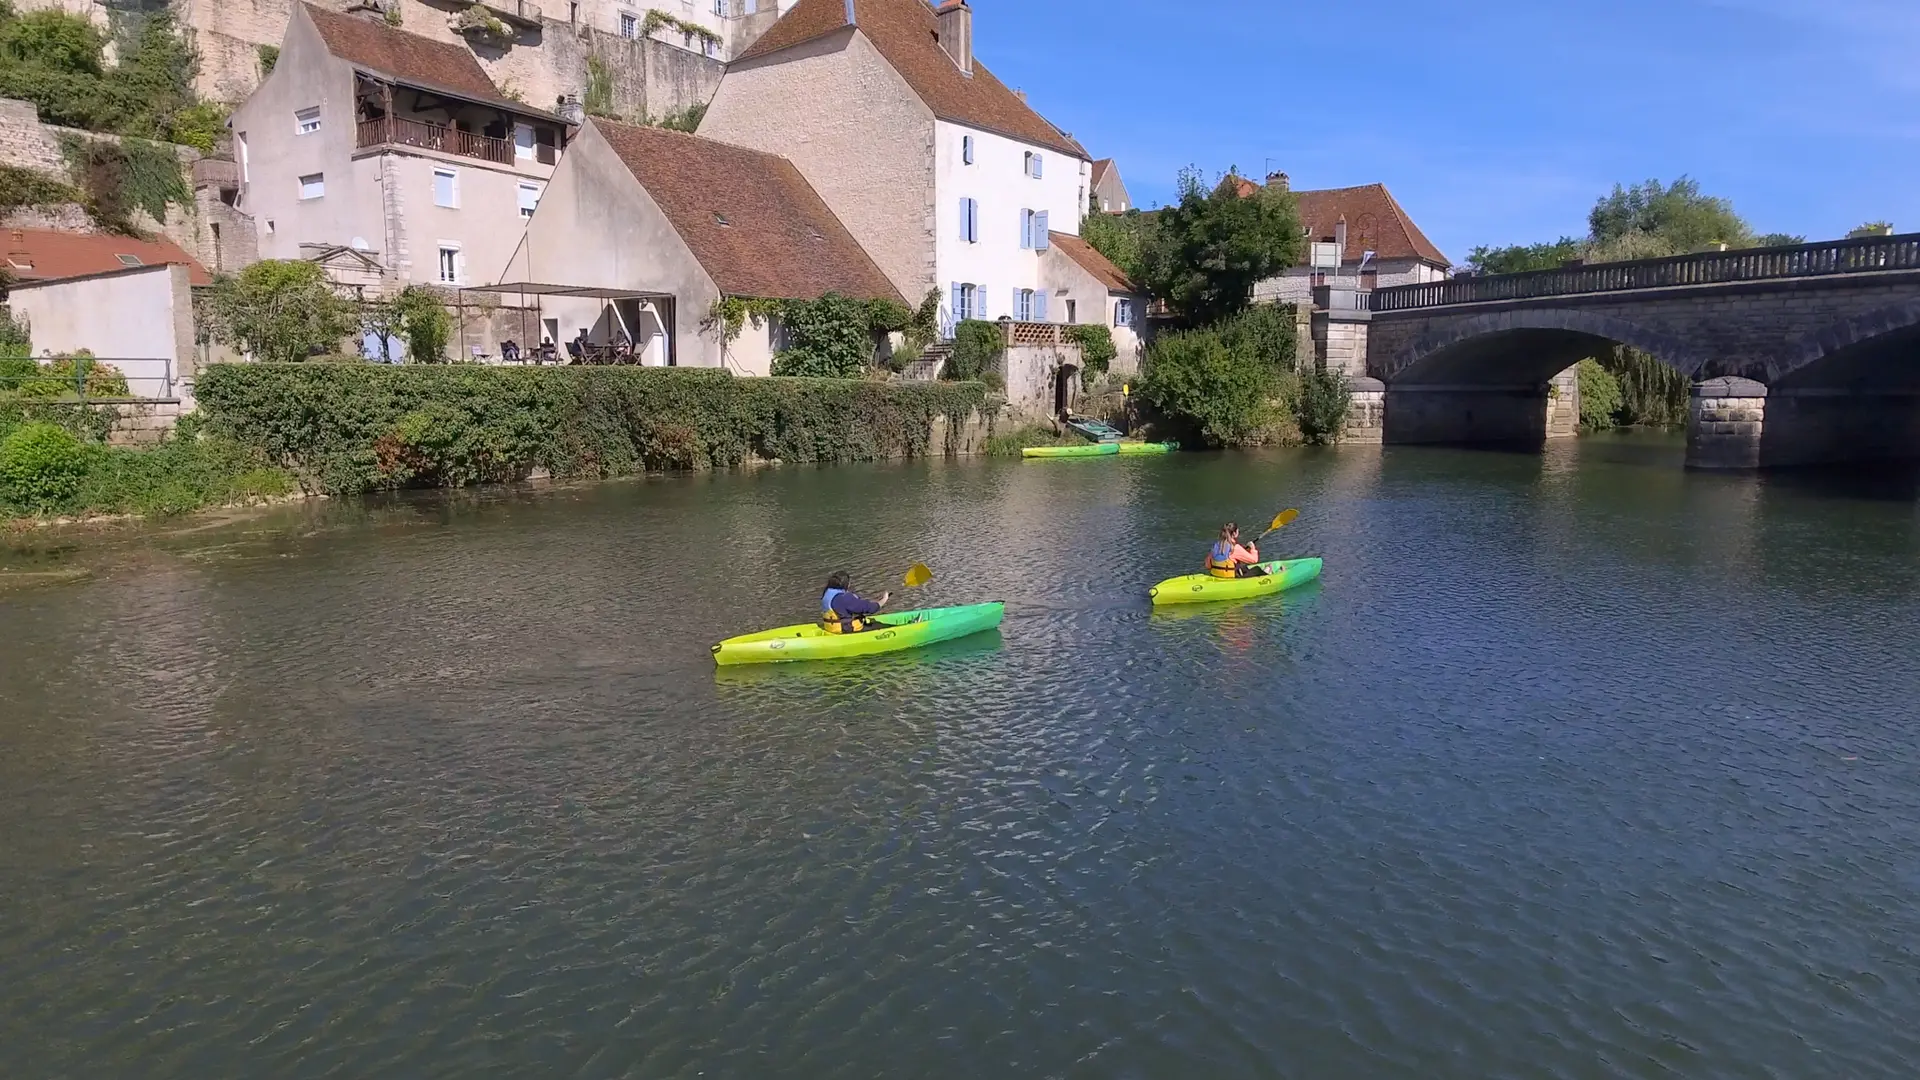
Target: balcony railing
pixel 397 131
pixel 1870 254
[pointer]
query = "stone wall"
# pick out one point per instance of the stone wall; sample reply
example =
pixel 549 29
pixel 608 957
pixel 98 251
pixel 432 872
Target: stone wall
pixel 143 425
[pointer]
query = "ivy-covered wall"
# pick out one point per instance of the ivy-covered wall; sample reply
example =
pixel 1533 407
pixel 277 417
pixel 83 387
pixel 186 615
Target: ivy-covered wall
pixel 345 428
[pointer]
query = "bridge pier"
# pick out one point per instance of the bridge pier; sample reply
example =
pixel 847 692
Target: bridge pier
pixel 1514 416
pixel 1725 419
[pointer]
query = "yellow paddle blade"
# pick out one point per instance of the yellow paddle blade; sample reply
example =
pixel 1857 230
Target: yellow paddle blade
pixel 918 576
pixel 1285 518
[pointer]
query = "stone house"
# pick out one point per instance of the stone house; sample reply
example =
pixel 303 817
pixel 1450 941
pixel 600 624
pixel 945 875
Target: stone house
pixel 1109 191
pixel 947 177
pixel 391 145
pixel 653 57
pixel 1089 289
pixel 1381 246
pixel 653 226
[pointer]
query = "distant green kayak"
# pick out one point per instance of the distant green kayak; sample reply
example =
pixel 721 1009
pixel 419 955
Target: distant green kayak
pixel 1135 449
pixel 906 630
pixel 1089 450
pixel 1206 589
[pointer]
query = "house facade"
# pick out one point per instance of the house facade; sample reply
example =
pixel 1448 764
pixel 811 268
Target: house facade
pixel 946 176
pixel 658 225
pixel 1381 244
pixel 392 146
pixel 1088 289
pixel 1109 191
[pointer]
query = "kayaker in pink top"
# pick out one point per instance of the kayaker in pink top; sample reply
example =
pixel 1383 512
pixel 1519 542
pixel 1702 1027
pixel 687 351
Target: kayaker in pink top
pixel 1229 558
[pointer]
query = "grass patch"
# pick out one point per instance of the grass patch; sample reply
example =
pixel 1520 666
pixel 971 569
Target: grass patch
pixel 1011 443
pixel 45 475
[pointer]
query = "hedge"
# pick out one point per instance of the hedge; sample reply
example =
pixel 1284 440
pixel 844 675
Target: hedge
pixel 344 428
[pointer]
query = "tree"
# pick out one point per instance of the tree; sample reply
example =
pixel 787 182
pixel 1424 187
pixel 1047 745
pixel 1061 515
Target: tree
pixel 1599 396
pixel 420 317
pixel 54 41
pixel 1678 217
pixel 1778 239
pixel 1120 237
pixel 1208 251
pixel 1194 378
pixel 1521 258
pixel 280 311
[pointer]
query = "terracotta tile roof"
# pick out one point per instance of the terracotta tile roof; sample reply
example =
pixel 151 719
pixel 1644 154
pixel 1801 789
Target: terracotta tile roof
pixel 1375 222
pixel 409 58
pixel 1090 260
pixel 47 255
pixel 906 34
pixel 1100 170
pixel 754 223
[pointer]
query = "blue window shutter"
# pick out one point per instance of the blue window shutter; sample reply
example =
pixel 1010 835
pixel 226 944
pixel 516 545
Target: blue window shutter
pixel 1040 239
pixel 963 219
pixel 959 302
pixel 1039 166
pixel 973 220
pixel 1040 306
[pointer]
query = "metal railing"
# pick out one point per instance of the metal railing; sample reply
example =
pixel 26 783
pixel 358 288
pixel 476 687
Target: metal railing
pixel 399 131
pixel 1866 255
pixel 92 380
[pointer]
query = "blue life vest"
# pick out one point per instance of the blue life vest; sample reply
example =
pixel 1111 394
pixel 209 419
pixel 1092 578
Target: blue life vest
pixel 1220 561
pixel 831 621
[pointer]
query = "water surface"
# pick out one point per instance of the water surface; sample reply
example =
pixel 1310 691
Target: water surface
pixel 1573 766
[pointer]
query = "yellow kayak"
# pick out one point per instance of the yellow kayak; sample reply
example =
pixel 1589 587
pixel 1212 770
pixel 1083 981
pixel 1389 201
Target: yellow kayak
pixel 1206 589
pixel 1079 450
pixel 893 633
pixel 1135 449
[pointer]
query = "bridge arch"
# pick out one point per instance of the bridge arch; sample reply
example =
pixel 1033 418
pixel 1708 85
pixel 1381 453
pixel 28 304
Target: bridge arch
pixel 1876 348
pixel 1526 346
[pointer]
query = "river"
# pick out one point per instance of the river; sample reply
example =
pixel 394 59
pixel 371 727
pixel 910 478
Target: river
pixel 1572 766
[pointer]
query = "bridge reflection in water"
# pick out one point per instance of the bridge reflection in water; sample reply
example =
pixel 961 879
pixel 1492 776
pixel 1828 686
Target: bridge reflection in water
pixel 1804 355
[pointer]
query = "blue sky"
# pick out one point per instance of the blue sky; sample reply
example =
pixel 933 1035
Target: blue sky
pixel 1493 121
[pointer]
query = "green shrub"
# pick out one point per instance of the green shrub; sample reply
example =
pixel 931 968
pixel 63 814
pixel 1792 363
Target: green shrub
pixel 1096 347
pixel 64 378
pixel 1010 443
pixel 183 474
pixel 1322 405
pixel 1599 397
pixel 978 347
pixel 1196 382
pixel 280 311
pixel 1265 334
pixel 41 466
pixel 358 427
pixel 421 318
pixel 828 338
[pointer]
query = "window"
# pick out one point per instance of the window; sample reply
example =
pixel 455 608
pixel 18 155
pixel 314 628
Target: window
pixel 967 301
pixel 246 162
pixel 1033 165
pixel 129 260
pixel 1023 305
pixel 629 25
pixel 306 121
pixel 1123 312
pixel 1073 311
pixel 711 47
pixel 720 8
pixel 529 199
pixel 449 264
pixel 313 187
pixel 446 188
pixel 970 221
pixel 966 149
pixel 525 144
pixel 1033 230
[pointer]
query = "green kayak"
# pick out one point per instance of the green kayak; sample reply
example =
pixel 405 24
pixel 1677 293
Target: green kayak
pixel 1206 589
pixel 906 630
pixel 1105 449
pixel 1135 449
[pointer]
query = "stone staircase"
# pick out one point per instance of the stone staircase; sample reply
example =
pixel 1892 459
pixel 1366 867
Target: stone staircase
pixel 931 363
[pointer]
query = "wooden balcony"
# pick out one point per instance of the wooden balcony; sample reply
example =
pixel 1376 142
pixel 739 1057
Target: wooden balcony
pixel 397 131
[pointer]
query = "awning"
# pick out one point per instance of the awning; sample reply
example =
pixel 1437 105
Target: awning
pixel 578 292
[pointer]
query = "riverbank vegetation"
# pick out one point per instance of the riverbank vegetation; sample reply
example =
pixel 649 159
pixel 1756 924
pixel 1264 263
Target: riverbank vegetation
pixel 347 428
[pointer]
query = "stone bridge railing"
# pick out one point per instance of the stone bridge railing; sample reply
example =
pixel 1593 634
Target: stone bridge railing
pixel 1865 255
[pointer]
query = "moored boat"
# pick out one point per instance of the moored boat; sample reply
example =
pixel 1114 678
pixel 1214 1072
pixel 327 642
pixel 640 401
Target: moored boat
pixel 1088 450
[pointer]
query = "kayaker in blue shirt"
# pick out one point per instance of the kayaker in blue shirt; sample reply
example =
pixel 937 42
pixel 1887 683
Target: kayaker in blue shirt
pixel 843 611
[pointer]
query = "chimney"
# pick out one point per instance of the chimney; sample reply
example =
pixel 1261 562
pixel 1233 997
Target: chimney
pixel 1340 235
pixel 1022 95
pixel 1279 181
pixel 956 32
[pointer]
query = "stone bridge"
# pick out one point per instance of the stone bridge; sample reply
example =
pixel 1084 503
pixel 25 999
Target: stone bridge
pixel 1802 355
